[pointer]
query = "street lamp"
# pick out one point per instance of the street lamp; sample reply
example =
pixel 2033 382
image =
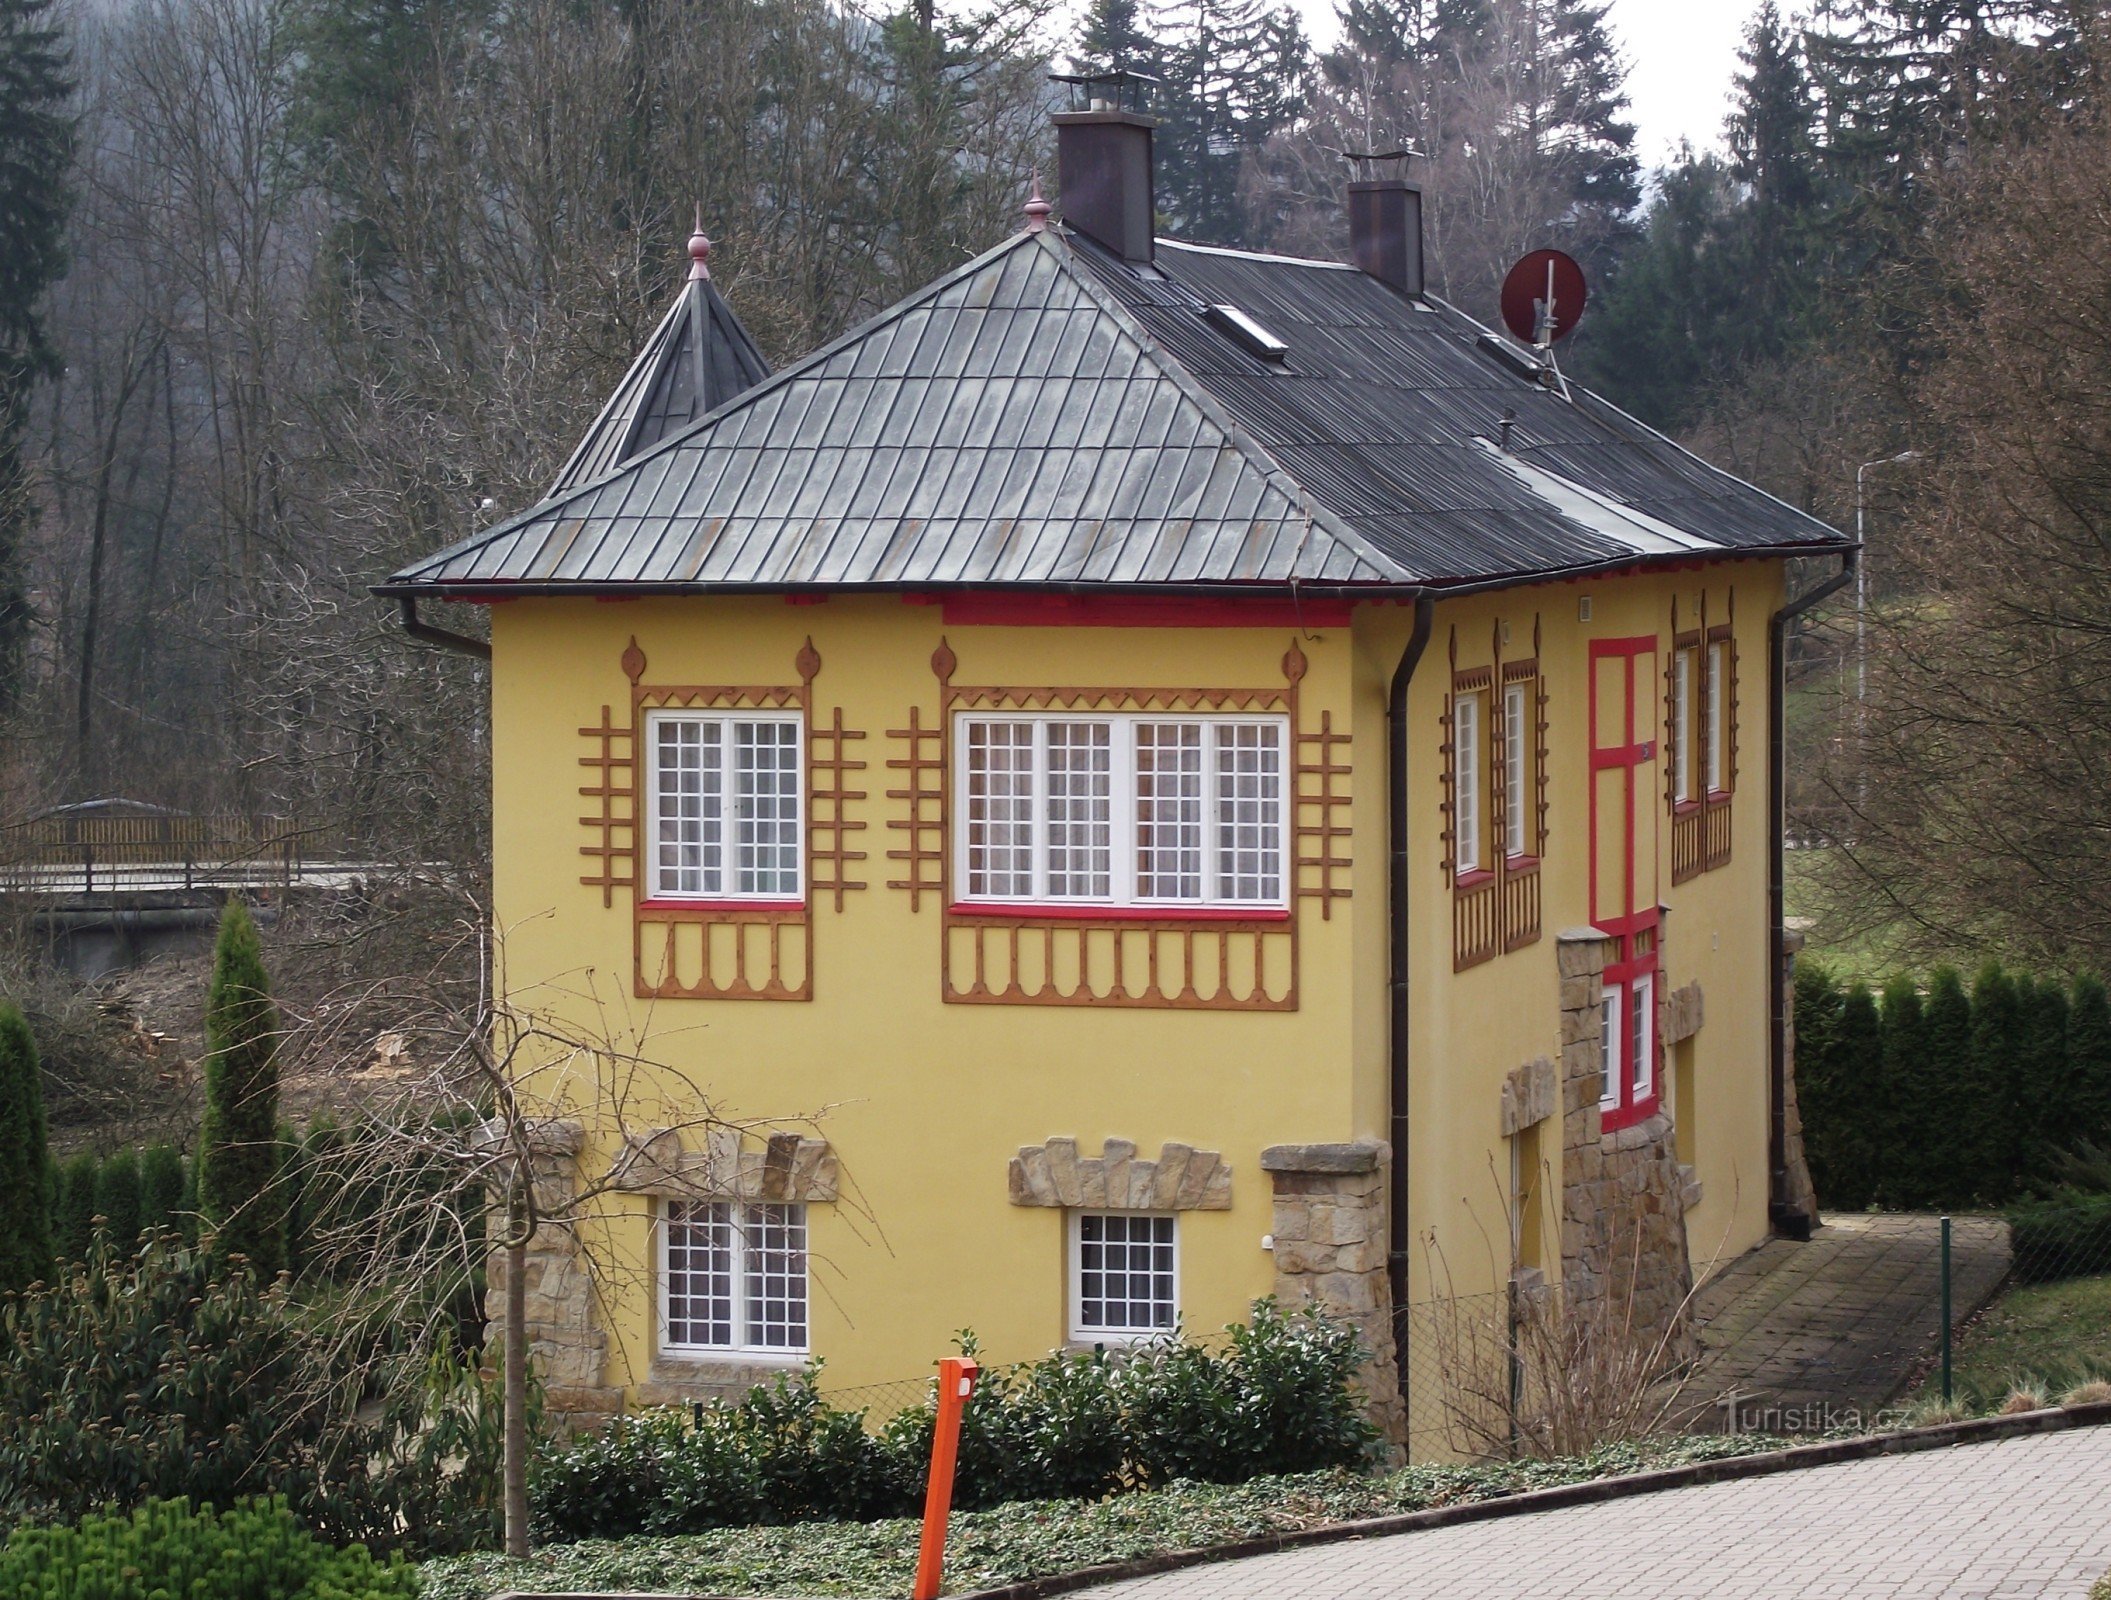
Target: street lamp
pixel 1861 580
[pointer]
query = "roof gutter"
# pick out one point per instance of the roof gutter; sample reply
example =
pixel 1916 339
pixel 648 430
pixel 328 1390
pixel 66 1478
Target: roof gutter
pixel 1785 1216
pixel 1626 561
pixel 1398 1235
pixel 426 633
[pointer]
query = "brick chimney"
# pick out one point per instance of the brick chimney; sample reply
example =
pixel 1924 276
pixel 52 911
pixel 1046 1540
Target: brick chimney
pixel 1103 162
pixel 1385 220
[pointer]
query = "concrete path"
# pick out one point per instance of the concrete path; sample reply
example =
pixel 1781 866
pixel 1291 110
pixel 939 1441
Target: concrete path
pixel 1823 1334
pixel 2016 1520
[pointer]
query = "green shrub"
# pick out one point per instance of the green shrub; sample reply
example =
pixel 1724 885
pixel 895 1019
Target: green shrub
pixel 1074 1425
pixel 1947 1099
pixel 75 1213
pixel 2066 1236
pixel 118 1199
pixel 164 1550
pixel 1991 1130
pixel 2088 1090
pixel 129 1380
pixel 161 1188
pixel 1903 1174
pixel 239 1199
pixel 25 1177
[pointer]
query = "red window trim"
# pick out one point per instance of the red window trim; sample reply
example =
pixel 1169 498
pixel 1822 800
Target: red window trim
pixel 1051 911
pixel 683 903
pixel 998 608
pixel 1472 879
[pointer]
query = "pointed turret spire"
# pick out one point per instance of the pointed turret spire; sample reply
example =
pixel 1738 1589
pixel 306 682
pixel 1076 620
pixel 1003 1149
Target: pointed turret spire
pixel 1037 209
pixel 696 360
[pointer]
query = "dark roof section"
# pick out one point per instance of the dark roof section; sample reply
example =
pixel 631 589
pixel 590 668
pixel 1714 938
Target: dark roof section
pixel 1048 415
pixel 697 359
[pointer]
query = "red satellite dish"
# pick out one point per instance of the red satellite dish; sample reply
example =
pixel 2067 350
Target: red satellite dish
pixel 1544 279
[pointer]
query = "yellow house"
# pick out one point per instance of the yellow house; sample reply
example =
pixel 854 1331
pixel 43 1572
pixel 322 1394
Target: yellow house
pixel 1143 777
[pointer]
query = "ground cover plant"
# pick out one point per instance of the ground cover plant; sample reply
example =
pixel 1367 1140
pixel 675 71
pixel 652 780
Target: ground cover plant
pixel 1275 1398
pixel 1029 1539
pixel 166 1550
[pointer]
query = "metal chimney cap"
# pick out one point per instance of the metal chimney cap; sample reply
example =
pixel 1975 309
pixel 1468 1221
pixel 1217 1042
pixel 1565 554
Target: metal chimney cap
pixel 1115 89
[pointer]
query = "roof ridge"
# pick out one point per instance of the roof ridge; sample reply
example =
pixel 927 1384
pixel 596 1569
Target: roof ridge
pixel 1176 373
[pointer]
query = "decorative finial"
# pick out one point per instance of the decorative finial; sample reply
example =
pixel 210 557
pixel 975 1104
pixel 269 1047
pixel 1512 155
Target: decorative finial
pixel 699 250
pixel 1037 208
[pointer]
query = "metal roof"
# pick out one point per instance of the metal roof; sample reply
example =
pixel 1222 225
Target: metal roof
pixel 697 359
pixel 1048 415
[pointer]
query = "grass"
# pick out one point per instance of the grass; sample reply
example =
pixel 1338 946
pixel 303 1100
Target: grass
pixel 1034 1538
pixel 2052 1335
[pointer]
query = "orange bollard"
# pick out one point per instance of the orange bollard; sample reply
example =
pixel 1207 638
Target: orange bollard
pixel 956 1383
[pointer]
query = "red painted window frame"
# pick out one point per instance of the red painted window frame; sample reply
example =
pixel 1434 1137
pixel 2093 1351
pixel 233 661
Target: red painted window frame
pixel 1626 927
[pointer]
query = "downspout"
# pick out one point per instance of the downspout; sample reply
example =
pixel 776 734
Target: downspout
pixel 1398 1238
pixel 426 633
pixel 1792 1223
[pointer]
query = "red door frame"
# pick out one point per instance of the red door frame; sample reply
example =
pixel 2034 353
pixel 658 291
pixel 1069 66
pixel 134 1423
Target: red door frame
pixel 1633 928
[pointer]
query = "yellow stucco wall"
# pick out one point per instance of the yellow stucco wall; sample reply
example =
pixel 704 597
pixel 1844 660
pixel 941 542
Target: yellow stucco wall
pixel 925 1102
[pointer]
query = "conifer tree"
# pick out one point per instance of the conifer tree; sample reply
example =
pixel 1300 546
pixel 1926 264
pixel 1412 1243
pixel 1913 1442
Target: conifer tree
pixel 1905 1175
pixel 119 1200
pixel 1996 1057
pixel 1857 1096
pixel 161 1187
pixel 1817 1070
pixel 241 1207
pixel 1951 1098
pixel 25 1176
pixel 2044 1114
pixel 36 152
pixel 2088 1092
pixel 76 1213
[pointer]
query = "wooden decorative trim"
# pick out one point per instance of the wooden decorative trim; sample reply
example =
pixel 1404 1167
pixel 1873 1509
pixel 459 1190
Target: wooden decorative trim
pixel 1156 960
pixel 1701 830
pixel 1496 908
pixel 720 950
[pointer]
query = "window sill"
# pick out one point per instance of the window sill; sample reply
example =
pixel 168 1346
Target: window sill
pixel 688 1356
pixel 1101 1338
pixel 1611 1119
pixel 1521 863
pixel 722 907
pixel 1012 911
pixel 1684 808
pixel 1473 879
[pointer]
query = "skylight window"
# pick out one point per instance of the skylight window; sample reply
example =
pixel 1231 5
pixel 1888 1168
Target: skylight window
pixel 1247 332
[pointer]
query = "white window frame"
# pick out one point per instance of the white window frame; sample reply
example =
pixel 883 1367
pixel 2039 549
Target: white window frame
pixel 1517 771
pixel 1079 1332
pixel 1469 781
pixel 1611 1034
pixel 1641 1001
pixel 744 1220
pixel 1123 893
pixel 723 724
pixel 1718 673
pixel 1683 731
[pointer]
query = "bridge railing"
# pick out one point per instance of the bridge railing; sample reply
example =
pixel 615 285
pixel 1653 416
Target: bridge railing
pixel 164 851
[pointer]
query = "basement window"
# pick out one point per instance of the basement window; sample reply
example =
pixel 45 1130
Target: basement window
pixel 1246 332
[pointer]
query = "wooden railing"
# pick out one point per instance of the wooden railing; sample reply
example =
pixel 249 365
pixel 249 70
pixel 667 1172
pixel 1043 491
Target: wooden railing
pixel 150 851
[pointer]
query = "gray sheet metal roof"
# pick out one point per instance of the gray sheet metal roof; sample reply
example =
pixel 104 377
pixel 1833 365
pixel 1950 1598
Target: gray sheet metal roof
pixel 697 359
pixel 1048 415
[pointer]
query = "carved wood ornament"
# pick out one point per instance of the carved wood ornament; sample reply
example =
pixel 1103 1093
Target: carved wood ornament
pixel 1496 907
pixel 719 950
pixel 1075 958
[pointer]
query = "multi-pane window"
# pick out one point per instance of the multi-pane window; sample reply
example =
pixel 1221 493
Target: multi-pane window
pixel 1469 782
pixel 1718 720
pixel 733 1277
pixel 1609 1045
pixel 1520 743
pixel 1123 810
pixel 1641 992
pixel 725 795
pixel 1124 1274
pixel 1627 1035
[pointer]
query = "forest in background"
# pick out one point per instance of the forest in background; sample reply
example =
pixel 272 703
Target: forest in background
pixel 296 290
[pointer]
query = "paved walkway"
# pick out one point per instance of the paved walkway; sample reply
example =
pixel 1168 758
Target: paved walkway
pixel 1806 1333
pixel 2015 1520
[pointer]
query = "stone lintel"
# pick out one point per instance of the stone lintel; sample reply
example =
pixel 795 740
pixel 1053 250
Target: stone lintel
pixel 1357 1156
pixel 789 1168
pixel 1182 1178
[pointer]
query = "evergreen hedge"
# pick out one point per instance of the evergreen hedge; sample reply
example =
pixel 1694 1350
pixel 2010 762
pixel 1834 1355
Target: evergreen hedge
pixel 1944 1097
pixel 25 1178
